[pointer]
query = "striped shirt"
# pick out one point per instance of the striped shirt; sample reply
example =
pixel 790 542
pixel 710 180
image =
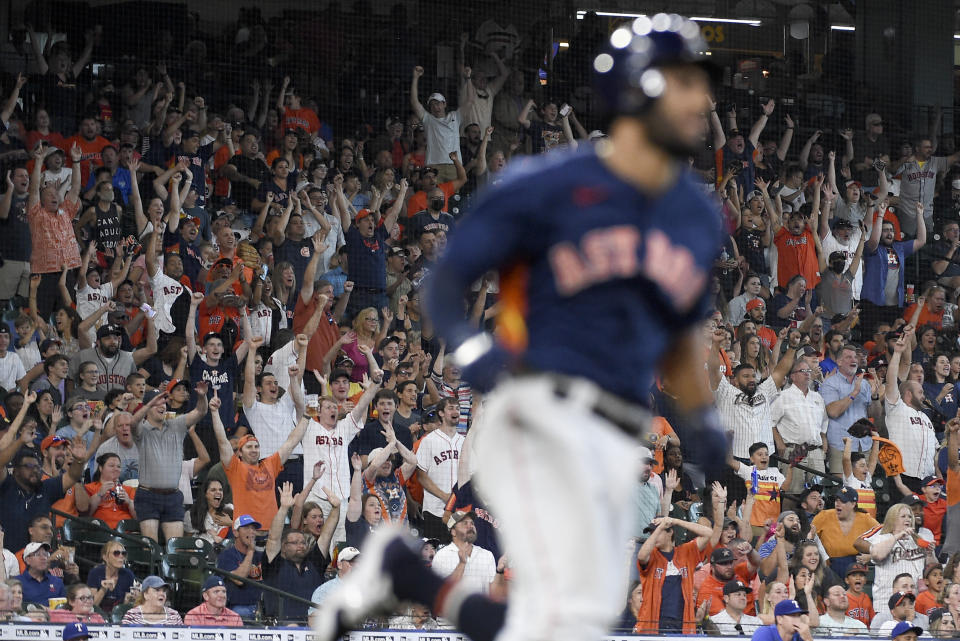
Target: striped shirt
pixel 464 396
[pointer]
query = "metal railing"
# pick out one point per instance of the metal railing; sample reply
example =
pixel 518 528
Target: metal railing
pixel 157 558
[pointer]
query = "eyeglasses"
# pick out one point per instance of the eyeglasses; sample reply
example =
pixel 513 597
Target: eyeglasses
pixel 87 597
pixel 802 371
pixel 119 553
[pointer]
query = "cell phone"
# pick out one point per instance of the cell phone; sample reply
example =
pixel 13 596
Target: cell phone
pixel 565 110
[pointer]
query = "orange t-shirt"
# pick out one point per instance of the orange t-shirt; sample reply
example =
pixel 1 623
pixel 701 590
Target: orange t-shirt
pixel 303 117
pixel 275 153
pixel 926 316
pixel 109 511
pixel 860 607
pixel 712 588
pixel 221 186
pixel 767 336
pixel 414 489
pixel 253 487
pixel 91 154
pixel 212 320
pixel 418 201
pixel 796 255
pixel 659 426
pixel 926 601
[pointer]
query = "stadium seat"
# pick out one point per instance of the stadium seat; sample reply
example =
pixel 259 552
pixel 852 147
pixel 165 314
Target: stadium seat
pixel 129 526
pixel 86 538
pixel 190 545
pixel 144 557
pixel 186 572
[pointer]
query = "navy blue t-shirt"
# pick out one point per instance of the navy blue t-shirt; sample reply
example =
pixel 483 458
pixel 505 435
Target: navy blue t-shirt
pixel 608 276
pixel 18 506
pixel 125 581
pixel 671 596
pixel 366 257
pixel 296 252
pixel 230 559
pixel 197 163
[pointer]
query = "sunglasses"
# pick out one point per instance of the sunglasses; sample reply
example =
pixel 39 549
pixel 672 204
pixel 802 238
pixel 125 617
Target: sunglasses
pixel 119 553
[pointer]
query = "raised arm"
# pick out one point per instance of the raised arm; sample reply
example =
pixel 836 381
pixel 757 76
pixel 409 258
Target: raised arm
pixel 761 123
pixel 11 104
pixel 394 212
pixel 296 435
pixel 874 241
pixel 370 390
pixel 190 331
pixel 275 536
pixel 805 151
pixel 524 117
pixel 249 372
pixel 921 229
pixel 193 416
pixel 414 93
pixel 953 445
pixel 719 138
pixel 310 273
pixel 84 58
pixel 892 391
pixel 786 138
pixel 355 504
pixel 223 443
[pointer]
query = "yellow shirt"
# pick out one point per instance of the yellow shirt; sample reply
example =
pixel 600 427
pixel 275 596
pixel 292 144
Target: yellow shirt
pixel 835 541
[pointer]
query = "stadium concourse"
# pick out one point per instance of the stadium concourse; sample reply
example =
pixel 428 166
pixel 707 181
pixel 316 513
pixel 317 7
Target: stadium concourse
pixel 220 370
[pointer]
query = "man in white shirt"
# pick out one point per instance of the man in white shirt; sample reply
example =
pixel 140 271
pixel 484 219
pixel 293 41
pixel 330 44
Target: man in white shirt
pixel 731 621
pixel 165 284
pixel 442 128
pixel 845 238
pixel 91 293
pixel 909 428
pixel 463 561
pixel 744 406
pixel 835 621
pixel 273 417
pixel 799 418
pixel 11 367
pixel 326 441
pixel 438 458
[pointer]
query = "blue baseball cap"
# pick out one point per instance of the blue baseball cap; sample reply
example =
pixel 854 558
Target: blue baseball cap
pixel 75 631
pixel 787 607
pixel 213 581
pixel 245 519
pixel 901 628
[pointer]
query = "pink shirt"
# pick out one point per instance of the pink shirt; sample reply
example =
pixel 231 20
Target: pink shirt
pixel 201 615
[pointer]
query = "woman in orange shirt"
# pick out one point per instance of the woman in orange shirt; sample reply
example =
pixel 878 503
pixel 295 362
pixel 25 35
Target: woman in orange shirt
pixel 109 501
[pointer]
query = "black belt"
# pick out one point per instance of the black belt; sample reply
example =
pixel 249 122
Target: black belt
pixel 629 417
pixel 158 491
pixel 295 457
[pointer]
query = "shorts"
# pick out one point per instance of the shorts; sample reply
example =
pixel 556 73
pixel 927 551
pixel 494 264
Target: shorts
pixel 14 279
pixel 160 507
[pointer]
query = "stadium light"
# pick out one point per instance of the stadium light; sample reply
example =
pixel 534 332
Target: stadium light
pixel 620 14
pixel 842 27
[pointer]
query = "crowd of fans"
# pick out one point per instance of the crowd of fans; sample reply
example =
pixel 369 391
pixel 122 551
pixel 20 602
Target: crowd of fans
pixel 214 329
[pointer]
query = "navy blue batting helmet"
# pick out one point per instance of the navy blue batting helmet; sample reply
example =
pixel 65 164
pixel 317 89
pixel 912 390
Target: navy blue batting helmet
pixel 626 74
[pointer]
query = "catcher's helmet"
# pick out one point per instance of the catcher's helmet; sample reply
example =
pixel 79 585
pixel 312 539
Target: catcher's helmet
pixel 626 74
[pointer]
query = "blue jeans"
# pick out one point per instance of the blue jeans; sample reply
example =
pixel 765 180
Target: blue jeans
pixel 246 612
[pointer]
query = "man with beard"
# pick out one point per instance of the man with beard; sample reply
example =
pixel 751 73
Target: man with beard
pixel 909 427
pixel 757 312
pixel 23 495
pixel 837 287
pixel 847 397
pixel 723 569
pixel 744 406
pixel 113 364
pixel 884 268
pixel 462 560
pixel 788 534
pixel 285 565
pixel 620 216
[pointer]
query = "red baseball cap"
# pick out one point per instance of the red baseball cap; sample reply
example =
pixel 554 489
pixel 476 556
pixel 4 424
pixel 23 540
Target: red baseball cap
pixel 52 441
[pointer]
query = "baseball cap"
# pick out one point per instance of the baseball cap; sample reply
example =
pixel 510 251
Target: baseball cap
pixel 4 328
pixel 211 335
pixel 150 394
pixel 903 627
pixel 436 95
pixel 348 554
pixel 363 213
pixel 913 499
pixel 930 568
pixel 644 454
pixel 398 251
pixel 807 350
pixel 75 631
pixel 853 182
pixel 754 194
pixel 190 133
pixel 52 441
pixel 807 490
pixel 222 261
pixel 787 607
pixel 213 581
pixel 175 383
pixel 245 519
pixel 32 548
pixel 339 373
pixel 196 221
pixel 434 542
pixel 843 222
pixel 785 514
pixel 848 495
pixel 856 568
pixel 722 555
pixel 47 343
pixel 109 330
pixel 755 303
pixel 878 361
pixel 899 597
pixel 154 582
pixel 289 132
pixel 931 480
pixel 459 516
pixel 736 586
